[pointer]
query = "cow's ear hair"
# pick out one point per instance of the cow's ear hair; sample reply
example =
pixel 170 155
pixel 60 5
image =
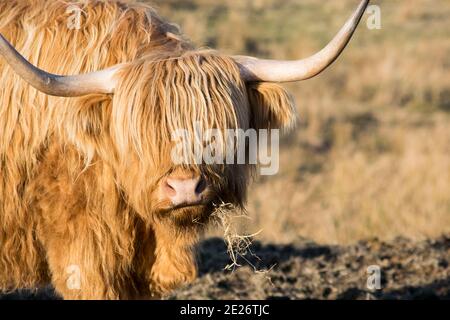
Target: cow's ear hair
pixel 271 106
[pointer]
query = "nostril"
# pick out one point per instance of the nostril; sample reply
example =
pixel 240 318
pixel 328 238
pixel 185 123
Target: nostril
pixel 170 190
pixel 184 191
pixel 201 186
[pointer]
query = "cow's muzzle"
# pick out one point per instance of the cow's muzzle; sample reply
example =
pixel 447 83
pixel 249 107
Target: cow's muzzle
pixel 184 190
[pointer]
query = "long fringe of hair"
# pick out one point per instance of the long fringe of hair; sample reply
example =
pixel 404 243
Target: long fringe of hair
pixel 111 32
pixel 167 85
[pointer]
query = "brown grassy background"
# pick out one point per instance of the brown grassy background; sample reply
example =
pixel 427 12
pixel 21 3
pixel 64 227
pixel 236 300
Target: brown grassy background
pixel 370 157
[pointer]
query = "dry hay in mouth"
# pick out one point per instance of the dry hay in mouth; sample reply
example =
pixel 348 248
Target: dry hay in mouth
pixel 225 216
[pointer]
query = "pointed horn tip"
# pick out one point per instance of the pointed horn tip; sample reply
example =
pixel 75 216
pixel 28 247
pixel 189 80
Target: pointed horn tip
pixel 261 70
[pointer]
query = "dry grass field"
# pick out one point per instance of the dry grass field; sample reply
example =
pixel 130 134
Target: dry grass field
pixel 370 157
pixel 371 154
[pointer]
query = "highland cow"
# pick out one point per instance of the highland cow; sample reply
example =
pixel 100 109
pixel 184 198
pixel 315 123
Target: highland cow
pixel 87 184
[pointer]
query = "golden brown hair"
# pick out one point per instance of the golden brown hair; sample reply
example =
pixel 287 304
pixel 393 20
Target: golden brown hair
pixel 78 175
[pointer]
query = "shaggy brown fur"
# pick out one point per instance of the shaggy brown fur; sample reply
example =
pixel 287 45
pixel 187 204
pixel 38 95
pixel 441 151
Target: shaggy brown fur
pixel 78 176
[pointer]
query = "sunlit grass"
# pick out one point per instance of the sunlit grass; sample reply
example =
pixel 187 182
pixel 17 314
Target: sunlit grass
pixel 371 156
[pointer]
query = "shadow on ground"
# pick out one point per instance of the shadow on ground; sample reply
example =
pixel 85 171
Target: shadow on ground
pixel 305 270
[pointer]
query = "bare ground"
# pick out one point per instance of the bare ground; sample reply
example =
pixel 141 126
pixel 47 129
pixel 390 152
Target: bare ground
pixel 305 270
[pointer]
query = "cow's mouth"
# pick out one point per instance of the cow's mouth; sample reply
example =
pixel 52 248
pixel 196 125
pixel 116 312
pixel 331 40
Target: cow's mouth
pixel 195 205
pixel 190 205
pixel 189 214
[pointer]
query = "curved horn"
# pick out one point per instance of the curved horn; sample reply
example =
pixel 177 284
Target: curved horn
pixel 253 69
pixel 55 85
